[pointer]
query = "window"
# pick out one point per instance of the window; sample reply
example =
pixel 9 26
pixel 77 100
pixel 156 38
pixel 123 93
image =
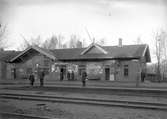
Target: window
pixel 81 69
pixel 46 62
pixel 126 70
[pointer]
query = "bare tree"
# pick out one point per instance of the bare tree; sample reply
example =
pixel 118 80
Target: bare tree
pixel 75 42
pixel 3 42
pixel 55 42
pixel 24 45
pixel 51 43
pixel 83 42
pixel 60 41
pixel 160 51
pixel 72 42
pixel 64 46
pixel 163 36
pixel 36 41
pixel 30 42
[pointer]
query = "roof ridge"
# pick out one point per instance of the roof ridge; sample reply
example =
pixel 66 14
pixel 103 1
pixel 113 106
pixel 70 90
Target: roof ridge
pixel 125 45
pixel 99 46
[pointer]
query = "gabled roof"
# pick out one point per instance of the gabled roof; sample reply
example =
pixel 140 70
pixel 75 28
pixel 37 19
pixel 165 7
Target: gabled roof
pixel 94 49
pixel 79 54
pixel 43 51
pixel 113 52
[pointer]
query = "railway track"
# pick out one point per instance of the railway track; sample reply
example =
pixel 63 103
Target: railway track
pixel 8 115
pixel 97 90
pixel 88 101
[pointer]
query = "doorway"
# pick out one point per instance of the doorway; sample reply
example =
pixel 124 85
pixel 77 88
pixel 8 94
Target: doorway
pixel 62 73
pixel 107 73
pixel 14 73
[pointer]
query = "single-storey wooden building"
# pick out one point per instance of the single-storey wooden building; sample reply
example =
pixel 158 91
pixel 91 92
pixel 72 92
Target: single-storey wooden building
pixel 122 63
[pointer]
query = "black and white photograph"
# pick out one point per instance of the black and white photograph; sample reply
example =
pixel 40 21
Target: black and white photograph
pixel 83 59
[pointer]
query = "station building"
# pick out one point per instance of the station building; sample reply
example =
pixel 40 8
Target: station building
pixel 115 63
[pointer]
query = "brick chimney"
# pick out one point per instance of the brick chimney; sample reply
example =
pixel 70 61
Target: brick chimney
pixel 120 42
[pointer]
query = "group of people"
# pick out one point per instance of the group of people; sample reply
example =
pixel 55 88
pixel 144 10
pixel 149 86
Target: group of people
pixel 70 76
pixel 40 76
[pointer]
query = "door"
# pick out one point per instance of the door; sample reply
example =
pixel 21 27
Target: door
pixel 13 73
pixel 61 74
pixel 107 73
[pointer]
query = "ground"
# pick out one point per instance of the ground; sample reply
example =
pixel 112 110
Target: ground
pixel 75 111
pixel 131 84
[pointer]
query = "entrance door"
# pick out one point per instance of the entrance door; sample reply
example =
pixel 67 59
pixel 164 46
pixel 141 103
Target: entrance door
pixel 14 73
pixel 107 73
pixel 62 74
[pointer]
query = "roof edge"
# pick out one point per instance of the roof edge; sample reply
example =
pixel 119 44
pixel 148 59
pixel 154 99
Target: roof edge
pixel 35 48
pixel 145 51
pixel 91 46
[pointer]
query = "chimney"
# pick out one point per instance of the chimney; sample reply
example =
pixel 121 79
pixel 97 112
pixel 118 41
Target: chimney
pixel 120 42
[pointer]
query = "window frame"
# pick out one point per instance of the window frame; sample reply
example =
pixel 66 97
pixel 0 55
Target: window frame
pixel 126 70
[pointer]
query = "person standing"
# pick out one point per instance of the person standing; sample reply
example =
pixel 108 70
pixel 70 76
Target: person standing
pixel 72 75
pixel 61 76
pixel 31 79
pixel 84 76
pixel 41 77
pixel 68 75
pixel 143 75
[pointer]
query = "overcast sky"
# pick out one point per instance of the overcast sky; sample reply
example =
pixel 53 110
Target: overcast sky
pixel 109 19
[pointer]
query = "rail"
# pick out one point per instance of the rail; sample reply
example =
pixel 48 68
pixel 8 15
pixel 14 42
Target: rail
pixel 89 101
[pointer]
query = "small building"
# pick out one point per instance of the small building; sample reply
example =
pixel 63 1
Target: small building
pixel 120 63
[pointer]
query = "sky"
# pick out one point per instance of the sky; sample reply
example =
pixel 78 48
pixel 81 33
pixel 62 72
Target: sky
pixel 104 19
